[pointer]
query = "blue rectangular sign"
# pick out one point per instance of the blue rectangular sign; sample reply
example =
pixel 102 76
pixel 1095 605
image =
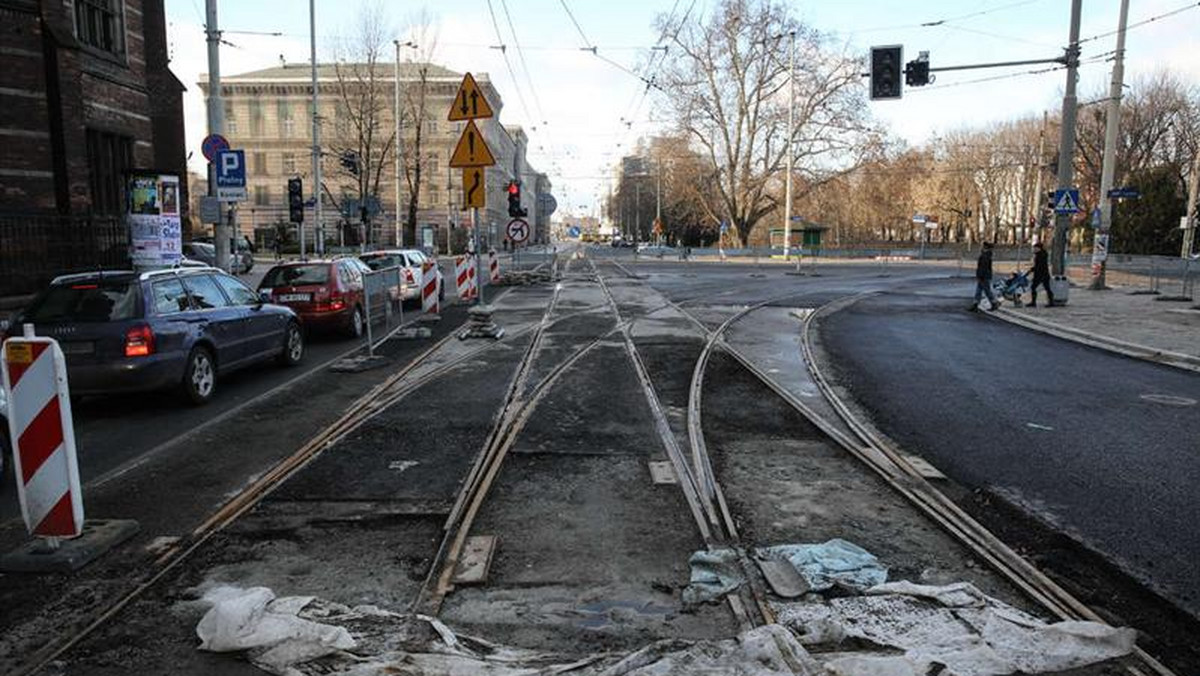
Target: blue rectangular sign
pixel 230 171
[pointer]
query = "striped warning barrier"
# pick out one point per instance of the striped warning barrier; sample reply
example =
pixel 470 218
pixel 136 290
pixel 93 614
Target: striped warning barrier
pixel 429 288
pixel 493 267
pixel 464 276
pixel 39 423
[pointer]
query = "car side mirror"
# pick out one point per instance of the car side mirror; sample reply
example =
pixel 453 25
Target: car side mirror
pixel 264 296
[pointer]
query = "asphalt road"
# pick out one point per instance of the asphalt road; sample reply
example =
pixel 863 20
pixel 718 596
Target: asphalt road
pixel 1062 430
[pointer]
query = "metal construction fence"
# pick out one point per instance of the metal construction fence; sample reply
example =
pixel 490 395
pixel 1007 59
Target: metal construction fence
pixel 35 248
pixel 384 292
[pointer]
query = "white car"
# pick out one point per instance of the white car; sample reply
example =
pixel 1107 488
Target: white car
pixel 410 260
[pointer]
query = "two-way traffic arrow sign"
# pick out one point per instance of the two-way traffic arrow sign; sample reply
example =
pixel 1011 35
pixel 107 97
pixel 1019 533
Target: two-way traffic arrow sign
pixel 469 103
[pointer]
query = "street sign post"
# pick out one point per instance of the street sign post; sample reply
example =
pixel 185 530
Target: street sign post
pixel 231 175
pixel 469 102
pixel 518 230
pixel 474 188
pixel 471 154
pixel 472 150
pixel 1066 201
pixel 213 144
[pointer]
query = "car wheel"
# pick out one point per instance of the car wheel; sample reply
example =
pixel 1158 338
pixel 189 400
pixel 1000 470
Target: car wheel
pixel 441 290
pixel 5 452
pixel 293 345
pixel 200 376
pixel 356 323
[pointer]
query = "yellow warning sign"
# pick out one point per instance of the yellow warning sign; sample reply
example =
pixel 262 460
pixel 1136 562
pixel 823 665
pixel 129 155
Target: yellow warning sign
pixel 19 353
pixel 474 192
pixel 469 103
pixel 471 150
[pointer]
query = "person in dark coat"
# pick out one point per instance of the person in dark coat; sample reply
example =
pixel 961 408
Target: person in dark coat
pixel 1041 274
pixel 983 277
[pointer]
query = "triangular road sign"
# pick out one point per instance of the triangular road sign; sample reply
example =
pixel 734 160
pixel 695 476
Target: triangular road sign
pixel 471 150
pixel 469 103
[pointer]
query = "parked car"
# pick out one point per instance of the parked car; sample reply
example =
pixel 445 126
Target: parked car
pixel 410 260
pixel 326 294
pixel 206 252
pixel 185 327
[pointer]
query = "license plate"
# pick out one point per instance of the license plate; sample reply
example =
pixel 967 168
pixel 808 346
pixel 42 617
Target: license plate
pixel 78 347
pixel 295 297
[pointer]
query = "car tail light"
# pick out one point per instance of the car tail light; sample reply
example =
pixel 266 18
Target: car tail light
pixel 336 302
pixel 139 341
pixel 329 301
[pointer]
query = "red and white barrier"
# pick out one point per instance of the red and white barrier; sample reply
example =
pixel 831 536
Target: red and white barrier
pixel 39 422
pixel 429 289
pixel 464 276
pixel 493 267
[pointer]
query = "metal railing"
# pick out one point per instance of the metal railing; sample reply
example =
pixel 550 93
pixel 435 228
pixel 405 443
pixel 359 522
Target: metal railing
pixel 383 304
pixel 35 248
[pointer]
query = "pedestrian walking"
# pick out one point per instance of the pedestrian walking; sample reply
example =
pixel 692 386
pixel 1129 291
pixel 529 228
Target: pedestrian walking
pixel 1041 274
pixel 983 278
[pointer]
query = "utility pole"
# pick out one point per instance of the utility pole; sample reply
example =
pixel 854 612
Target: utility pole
pixel 216 124
pixel 1066 144
pixel 1108 167
pixel 658 199
pixel 1189 234
pixel 318 226
pixel 787 192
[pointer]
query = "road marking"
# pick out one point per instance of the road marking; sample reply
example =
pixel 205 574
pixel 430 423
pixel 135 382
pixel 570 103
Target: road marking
pixel 1039 427
pixel 1168 399
pixel 401 465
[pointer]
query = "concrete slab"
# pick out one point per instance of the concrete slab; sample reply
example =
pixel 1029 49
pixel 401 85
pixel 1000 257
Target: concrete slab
pixel 662 472
pixel 98 537
pixel 475 560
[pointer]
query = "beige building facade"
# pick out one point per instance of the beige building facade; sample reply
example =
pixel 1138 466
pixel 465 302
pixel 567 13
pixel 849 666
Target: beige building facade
pixel 268 115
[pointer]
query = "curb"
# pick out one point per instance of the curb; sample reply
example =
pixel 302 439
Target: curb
pixel 1178 360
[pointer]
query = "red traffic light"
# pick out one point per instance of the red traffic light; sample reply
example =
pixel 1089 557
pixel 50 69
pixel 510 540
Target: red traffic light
pixel 513 188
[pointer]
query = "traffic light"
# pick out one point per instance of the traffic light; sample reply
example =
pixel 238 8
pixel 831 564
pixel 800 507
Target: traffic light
pixel 295 200
pixel 885 72
pixel 514 200
pixel 916 73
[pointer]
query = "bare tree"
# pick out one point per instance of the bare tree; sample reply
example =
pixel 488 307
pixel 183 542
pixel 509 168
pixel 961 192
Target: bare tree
pixel 362 140
pixel 726 84
pixel 414 112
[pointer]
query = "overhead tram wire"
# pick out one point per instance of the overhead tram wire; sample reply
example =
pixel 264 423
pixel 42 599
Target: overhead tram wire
pixel 1143 22
pixel 542 123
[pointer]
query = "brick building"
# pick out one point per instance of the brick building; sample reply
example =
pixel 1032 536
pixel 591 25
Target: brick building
pixel 85 94
pixel 268 115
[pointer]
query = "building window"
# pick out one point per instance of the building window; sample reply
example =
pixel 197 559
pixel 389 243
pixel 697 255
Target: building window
pixel 109 157
pixel 289 163
pixel 256 117
pixel 262 195
pixel 260 163
pixel 98 23
pixel 230 119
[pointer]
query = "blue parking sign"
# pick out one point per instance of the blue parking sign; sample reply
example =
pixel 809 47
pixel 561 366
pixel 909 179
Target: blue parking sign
pixel 230 171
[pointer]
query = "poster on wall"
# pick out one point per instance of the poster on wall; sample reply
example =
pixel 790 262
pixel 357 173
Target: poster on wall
pixel 155 231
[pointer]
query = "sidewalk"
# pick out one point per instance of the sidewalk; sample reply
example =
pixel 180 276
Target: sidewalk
pixel 1117 320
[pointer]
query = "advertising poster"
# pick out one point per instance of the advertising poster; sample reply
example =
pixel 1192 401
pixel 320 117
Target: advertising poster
pixel 155 231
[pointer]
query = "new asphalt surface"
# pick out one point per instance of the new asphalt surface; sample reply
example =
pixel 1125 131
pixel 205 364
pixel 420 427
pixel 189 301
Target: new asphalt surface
pixel 1098 446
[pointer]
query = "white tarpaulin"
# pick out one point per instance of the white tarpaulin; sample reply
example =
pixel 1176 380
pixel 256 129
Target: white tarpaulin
pixel 955 625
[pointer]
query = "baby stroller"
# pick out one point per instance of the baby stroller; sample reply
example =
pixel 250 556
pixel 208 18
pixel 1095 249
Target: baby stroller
pixel 1013 287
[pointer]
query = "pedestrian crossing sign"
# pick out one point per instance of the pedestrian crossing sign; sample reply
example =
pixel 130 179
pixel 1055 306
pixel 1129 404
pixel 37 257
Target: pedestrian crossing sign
pixel 1066 201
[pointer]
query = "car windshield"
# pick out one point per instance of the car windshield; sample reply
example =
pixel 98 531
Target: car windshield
pixel 383 261
pixel 296 275
pixel 89 301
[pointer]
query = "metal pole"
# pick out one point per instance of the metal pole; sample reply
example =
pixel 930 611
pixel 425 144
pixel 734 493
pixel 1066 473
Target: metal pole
pixel 1066 143
pixel 1108 167
pixel 658 199
pixel 787 192
pixel 318 226
pixel 478 274
pixel 1189 234
pixel 399 231
pixel 216 123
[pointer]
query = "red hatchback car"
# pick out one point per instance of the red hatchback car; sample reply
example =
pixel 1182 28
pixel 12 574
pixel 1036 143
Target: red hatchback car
pixel 326 294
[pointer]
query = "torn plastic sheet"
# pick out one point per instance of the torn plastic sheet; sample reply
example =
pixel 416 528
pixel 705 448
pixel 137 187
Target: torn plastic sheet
pixel 954 625
pixel 270 628
pixel 415 645
pixel 715 573
pixel 829 563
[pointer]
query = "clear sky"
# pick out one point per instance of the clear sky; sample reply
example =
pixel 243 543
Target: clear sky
pixel 583 113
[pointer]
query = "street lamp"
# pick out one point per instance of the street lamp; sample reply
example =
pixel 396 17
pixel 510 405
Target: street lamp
pixel 399 230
